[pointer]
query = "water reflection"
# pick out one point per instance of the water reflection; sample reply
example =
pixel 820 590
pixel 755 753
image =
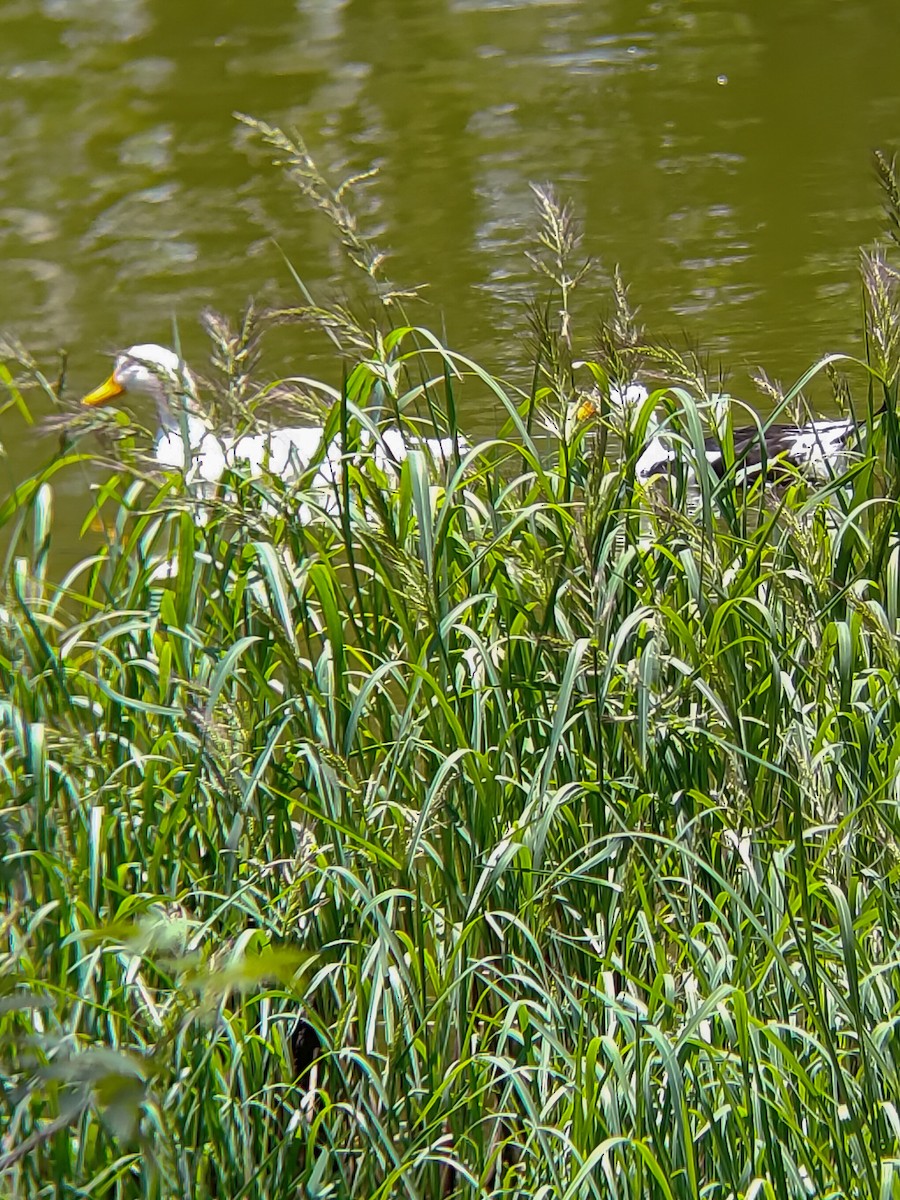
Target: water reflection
pixel 718 152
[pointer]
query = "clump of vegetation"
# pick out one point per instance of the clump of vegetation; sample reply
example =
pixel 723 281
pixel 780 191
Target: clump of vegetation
pixel 521 833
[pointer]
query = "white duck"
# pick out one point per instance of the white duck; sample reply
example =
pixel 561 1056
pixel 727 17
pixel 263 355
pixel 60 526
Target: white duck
pixel 186 441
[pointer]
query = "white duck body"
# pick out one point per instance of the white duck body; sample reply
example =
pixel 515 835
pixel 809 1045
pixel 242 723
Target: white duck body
pixel 278 449
pixel 283 452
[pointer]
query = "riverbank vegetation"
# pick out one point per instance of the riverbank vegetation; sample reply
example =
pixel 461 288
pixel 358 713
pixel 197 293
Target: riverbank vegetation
pixel 507 829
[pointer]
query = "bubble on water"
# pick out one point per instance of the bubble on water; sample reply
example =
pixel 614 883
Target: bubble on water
pixel 721 80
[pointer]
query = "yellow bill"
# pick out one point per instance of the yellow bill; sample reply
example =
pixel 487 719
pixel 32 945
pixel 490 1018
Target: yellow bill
pixel 104 393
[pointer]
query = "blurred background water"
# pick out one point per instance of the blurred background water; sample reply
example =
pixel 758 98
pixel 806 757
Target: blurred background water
pixel 720 151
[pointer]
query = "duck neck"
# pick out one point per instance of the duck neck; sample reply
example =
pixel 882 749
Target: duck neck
pixel 180 414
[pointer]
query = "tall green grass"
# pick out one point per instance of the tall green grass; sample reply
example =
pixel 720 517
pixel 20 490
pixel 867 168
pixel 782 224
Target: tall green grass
pixel 514 831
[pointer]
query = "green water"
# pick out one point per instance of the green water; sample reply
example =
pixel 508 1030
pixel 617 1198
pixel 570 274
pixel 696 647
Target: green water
pixel 719 152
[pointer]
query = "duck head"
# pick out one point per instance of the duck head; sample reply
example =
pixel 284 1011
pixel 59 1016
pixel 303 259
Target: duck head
pixel 154 371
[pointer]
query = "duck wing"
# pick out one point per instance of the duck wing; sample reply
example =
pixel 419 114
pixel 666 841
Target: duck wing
pixel 817 449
